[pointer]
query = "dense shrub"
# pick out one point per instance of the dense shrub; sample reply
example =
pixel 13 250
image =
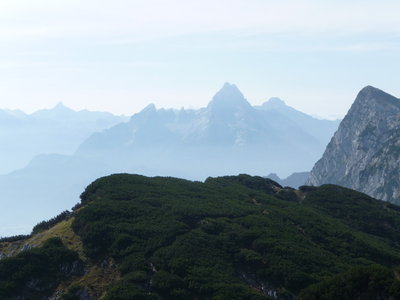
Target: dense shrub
pixel 35 273
pixel 14 238
pixel 233 237
pixel 371 282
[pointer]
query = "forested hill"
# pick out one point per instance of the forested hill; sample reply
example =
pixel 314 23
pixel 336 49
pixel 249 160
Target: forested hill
pixel 233 237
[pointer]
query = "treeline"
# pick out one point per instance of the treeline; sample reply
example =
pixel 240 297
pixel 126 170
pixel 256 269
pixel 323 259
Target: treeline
pixel 44 225
pixel 41 226
pixel 14 238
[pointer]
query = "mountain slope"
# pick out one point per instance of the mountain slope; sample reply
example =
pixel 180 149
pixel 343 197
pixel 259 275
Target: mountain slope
pixel 364 152
pixel 323 130
pixel 232 237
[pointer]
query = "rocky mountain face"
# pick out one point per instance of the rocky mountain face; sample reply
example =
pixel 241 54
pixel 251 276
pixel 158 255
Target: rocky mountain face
pixel 364 154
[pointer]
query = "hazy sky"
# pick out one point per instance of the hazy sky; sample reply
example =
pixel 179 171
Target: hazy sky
pixel 120 55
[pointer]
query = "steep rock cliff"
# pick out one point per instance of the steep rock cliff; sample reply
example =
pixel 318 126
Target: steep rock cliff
pixel 364 152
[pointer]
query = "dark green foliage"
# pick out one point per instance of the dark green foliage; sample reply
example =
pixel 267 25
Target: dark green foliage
pixel 258 183
pixel 307 188
pixel 44 225
pixel 124 290
pixel 372 282
pixel 72 293
pixel 288 194
pixel 36 272
pixel 15 238
pixel 358 211
pixel 233 237
pixel 168 285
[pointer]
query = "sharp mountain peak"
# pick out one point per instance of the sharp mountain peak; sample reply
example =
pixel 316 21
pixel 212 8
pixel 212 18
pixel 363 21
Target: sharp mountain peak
pixel 363 153
pixel 149 108
pixel 370 93
pixel 60 106
pixel 228 96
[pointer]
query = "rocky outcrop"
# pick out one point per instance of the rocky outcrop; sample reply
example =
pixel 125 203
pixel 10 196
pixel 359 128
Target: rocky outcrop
pixel 364 152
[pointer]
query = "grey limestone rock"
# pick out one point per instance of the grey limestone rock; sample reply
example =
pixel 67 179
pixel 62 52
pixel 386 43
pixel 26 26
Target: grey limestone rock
pixel 364 153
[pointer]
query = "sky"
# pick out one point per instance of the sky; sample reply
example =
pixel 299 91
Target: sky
pixel 121 55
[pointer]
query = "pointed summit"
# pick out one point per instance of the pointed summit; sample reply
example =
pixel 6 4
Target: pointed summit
pixel 60 105
pixel 369 89
pixel 229 86
pixel 149 112
pixel 228 97
pixel 274 103
pixel 230 90
pixel 61 108
pixel 370 92
pixel 59 111
pixel 364 152
pixel 375 95
pixel 149 108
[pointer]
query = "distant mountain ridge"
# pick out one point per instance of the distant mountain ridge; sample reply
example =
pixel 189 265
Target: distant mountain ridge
pixel 295 180
pixel 57 130
pixel 229 136
pixel 307 123
pixel 364 153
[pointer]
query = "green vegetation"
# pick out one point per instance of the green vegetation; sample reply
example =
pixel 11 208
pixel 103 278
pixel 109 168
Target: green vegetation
pixel 371 282
pixel 14 238
pixel 234 237
pixel 44 225
pixel 35 273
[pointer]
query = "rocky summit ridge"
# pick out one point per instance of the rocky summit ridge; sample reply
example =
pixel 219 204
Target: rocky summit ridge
pixel 364 153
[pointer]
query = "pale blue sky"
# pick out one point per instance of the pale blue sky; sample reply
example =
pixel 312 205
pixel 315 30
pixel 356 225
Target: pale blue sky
pixel 120 55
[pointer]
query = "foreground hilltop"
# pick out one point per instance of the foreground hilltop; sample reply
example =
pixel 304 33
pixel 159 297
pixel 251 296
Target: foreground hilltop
pixel 364 153
pixel 232 237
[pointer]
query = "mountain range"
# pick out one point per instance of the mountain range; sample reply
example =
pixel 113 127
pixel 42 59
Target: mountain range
pixel 229 136
pixel 364 153
pixel 229 237
pixel 58 130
